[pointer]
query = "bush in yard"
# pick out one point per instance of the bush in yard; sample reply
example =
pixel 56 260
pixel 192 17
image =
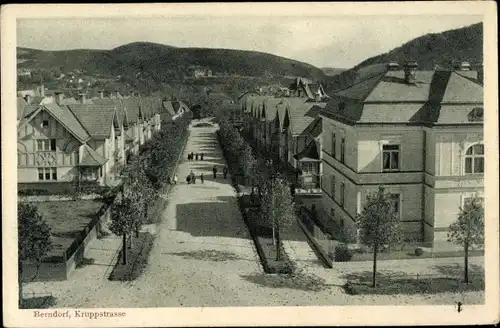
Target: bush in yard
pixel 378 224
pixel 33 238
pixel 468 229
pixel 418 251
pixel 342 253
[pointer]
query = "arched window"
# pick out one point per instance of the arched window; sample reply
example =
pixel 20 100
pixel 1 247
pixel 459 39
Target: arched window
pixel 474 159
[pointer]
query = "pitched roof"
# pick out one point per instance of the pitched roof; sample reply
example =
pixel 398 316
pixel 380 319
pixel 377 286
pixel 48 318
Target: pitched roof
pixel 271 107
pixel 21 103
pixel 168 107
pixel 310 152
pixel 132 108
pixel 302 115
pixel 62 114
pixel 386 98
pixel 90 157
pixel 96 119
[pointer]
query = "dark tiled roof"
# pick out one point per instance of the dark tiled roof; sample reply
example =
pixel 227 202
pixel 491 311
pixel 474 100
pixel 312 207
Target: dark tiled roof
pixel 388 99
pixel 90 157
pixel 302 115
pixel 310 152
pixel 132 108
pixel 96 119
pixel 271 107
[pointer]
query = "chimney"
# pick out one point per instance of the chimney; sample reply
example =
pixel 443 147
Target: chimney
pixel 42 91
pixel 464 66
pixel 58 97
pixel 410 68
pixel 117 94
pixel 82 97
pixel 27 97
pixel 101 94
pixel 318 97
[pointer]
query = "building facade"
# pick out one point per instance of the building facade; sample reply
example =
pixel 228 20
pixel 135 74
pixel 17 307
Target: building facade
pixel 417 133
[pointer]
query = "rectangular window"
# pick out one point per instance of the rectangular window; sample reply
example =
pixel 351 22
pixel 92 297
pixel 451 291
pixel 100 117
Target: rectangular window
pixel 334 143
pixel 469 199
pixel 47 174
pixel 395 200
pixel 342 150
pixel 46 145
pixel 45 124
pixel 342 194
pixel 333 187
pixel 390 157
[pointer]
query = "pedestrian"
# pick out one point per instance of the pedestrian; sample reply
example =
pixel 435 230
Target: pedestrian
pixel 192 156
pixel 196 156
pixel 189 157
pixel 201 156
pixel 188 179
pixel 193 177
pixel 202 178
pixel 225 172
pixel 175 179
pixel 214 170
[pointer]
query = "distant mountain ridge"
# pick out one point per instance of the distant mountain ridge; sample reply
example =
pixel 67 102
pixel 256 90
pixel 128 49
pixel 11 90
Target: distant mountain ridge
pixel 442 50
pixel 166 62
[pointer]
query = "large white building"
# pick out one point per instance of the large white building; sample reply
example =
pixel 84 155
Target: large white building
pixel 418 133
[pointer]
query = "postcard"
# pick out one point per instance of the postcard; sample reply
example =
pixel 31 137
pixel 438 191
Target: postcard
pixel 248 164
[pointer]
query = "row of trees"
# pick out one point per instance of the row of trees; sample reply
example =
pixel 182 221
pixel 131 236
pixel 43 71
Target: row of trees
pixel 145 175
pixel 276 202
pixel 379 225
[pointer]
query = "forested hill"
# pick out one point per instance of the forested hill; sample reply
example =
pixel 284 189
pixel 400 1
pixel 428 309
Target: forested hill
pixel 443 49
pixel 165 62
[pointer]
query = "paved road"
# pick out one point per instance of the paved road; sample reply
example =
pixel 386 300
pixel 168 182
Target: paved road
pixel 203 256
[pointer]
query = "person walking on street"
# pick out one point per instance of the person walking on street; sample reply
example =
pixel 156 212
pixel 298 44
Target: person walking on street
pixel 225 172
pixel 193 178
pixel 188 179
pixel 196 156
pixel 202 178
pixel 201 156
pixel 175 179
pixel 214 170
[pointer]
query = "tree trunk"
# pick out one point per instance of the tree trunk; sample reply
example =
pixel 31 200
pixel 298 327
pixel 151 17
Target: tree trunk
pixel 20 281
pixel 124 249
pixel 274 232
pixel 278 239
pixel 375 250
pixel 466 262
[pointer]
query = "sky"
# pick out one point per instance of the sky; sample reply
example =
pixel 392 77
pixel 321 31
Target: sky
pixel 335 41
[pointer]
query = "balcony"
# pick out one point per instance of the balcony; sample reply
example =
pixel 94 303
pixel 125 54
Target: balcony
pixel 308 184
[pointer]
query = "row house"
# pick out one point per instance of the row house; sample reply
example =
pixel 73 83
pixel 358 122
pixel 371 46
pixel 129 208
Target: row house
pixel 67 139
pixel 418 133
pixel 305 88
pixel 283 128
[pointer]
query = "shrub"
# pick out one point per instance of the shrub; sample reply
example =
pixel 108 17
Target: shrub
pixel 349 288
pixel 418 251
pixel 342 253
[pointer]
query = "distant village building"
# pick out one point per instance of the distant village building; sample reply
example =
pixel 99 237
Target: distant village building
pixel 23 72
pixel 199 71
